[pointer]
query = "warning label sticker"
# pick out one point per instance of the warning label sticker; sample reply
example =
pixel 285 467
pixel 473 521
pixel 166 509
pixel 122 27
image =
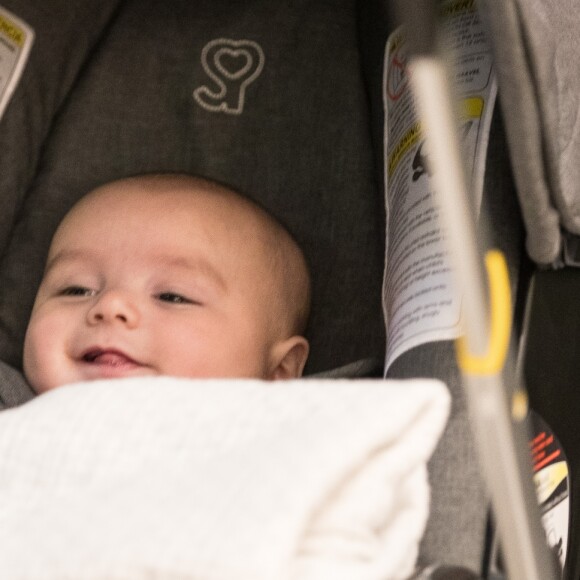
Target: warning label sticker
pixel 16 39
pixel 551 479
pixel 420 301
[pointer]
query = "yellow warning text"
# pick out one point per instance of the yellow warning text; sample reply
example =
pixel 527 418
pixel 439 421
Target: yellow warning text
pixel 397 40
pixel 408 140
pixel 453 8
pixel 472 108
pixel 12 31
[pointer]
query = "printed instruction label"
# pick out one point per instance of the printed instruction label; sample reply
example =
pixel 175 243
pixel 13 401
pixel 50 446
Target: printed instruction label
pixel 16 39
pixel 551 479
pixel 419 300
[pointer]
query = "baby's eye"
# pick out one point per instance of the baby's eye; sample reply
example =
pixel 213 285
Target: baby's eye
pixel 174 298
pixel 77 291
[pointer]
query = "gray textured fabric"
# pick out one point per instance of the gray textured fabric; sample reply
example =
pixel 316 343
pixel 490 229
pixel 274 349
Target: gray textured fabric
pixel 455 533
pixel 537 50
pixel 367 367
pixel 301 147
pixel 14 390
pixel 551 35
pixel 63 40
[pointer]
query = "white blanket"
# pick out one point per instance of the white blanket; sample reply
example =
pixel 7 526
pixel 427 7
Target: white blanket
pixel 218 480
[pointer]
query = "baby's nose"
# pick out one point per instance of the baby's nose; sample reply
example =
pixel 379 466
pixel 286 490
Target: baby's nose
pixel 114 306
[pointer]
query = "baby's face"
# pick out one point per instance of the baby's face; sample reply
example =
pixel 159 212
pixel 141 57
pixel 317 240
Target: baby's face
pixel 140 284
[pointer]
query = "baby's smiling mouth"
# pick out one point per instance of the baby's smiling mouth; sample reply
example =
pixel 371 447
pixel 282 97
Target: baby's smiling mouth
pixel 100 362
pixel 108 357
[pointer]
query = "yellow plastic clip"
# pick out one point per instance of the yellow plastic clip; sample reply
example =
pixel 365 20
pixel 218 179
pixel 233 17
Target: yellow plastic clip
pixel 500 322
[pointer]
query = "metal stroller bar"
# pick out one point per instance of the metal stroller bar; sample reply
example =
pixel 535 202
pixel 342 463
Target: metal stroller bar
pixel 497 418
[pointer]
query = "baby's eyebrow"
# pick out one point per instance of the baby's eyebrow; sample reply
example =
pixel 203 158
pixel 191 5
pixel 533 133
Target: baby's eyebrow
pixel 198 265
pixel 67 255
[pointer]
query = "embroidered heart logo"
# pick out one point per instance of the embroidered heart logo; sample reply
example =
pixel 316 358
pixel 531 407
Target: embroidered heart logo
pixel 233 63
pixel 231 66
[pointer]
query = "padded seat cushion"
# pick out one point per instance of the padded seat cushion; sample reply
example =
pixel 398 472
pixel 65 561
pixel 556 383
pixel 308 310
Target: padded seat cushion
pixel 64 39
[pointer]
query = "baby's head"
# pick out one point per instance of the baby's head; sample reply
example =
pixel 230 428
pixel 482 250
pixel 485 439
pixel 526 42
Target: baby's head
pixel 168 275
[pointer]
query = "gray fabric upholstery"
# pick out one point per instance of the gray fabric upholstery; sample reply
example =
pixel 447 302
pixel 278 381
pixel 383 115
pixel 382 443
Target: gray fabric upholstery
pixel 301 147
pixel 64 39
pixel 455 533
pixel 537 51
pixel 14 390
pixel 364 368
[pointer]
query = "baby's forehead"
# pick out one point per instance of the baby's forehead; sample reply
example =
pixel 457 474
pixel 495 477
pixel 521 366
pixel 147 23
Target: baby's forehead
pixel 173 200
pixel 179 211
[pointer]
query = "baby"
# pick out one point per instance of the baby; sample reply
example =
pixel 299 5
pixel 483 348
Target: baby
pixel 168 275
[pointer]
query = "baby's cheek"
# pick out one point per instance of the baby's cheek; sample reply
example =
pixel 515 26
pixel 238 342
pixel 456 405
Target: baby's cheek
pixel 42 343
pixel 32 362
pixel 184 351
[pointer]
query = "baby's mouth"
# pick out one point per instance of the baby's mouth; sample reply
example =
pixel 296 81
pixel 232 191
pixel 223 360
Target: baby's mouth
pixel 108 357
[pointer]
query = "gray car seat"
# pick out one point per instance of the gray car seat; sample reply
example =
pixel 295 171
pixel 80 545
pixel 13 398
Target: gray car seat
pixel 280 99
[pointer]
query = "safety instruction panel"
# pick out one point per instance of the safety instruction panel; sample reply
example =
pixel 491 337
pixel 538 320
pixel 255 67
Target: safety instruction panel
pixel 419 300
pixel 552 482
pixel 16 39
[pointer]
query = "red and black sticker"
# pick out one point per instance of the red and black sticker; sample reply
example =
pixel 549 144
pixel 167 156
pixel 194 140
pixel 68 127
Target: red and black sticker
pixel 551 478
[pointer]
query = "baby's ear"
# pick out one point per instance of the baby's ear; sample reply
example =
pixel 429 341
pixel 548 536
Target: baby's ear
pixel 288 358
